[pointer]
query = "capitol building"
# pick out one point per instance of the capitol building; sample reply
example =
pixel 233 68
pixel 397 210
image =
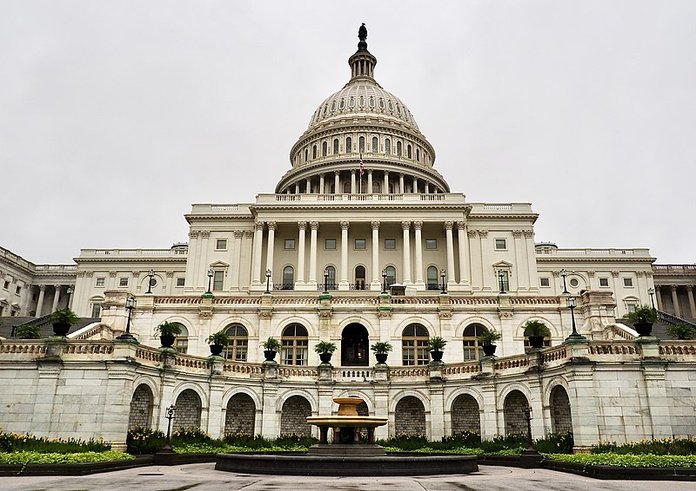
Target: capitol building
pixel 361 241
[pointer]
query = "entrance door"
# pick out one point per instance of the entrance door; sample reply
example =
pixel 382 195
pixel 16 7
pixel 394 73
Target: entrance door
pixel 354 346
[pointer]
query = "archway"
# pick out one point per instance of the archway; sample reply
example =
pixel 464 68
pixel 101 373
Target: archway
pixel 561 420
pixel 465 415
pixel 188 410
pixel 141 408
pixel 293 418
pixel 240 416
pixel 515 411
pixel 355 346
pixel 409 417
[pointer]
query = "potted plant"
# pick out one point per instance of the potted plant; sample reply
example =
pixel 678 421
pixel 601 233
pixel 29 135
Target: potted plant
pixel 218 341
pixel 682 330
pixel 381 350
pixel 30 331
pixel 486 339
pixel 168 332
pixel 437 345
pixel 642 319
pixel 62 320
pixel 536 331
pixel 270 347
pixel 325 349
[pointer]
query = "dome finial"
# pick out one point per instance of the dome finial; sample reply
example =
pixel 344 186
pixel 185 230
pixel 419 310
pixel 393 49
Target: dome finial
pixel 362 35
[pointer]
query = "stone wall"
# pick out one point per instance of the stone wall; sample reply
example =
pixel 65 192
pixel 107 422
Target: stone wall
pixel 561 421
pixel 188 410
pixel 141 408
pixel 240 416
pixel 409 417
pixel 293 420
pixel 465 415
pixel 515 414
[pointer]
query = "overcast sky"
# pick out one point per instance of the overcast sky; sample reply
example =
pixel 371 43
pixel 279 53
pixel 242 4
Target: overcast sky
pixel 116 116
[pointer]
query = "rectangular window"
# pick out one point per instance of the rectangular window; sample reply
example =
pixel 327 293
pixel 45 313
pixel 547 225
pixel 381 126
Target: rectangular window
pixel 6 285
pixel 180 282
pixel 628 282
pixel 123 282
pixel 500 244
pixel 18 290
pixel 360 244
pixel 330 244
pixel 604 282
pixel 218 280
pixel 96 310
pixel 221 244
pixel 289 244
pixel 100 281
pixel 390 244
pixel 431 244
pixel 544 282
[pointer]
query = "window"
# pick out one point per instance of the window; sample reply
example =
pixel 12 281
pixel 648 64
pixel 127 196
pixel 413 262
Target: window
pixel 547 343
pixel 628 282
pixel 288 278
pixel 432 278
pixel 335 146
pixel 294 345
pixel 180 282
pixel 361 144
pixel 431 244
pixel 289 244
pixel 330 244
pixel 631 307
pixel 604 282
pixel 375 144
pixel 418 154
pixel 100 281
pixel 6 285
pixel 409 152
pixel 221 244
pixel 503 281
pixel 18 290
pixel 387 146
pixel 330 272
pixel 500 244
pixel 306 155
pixel 181 340
pixel 472 349
pixel 324 149
pixel 544 282
pixel 414 345
pixel 123 282
pixel 96 310
pixel 349 144
pixel 390 244
pixel 314 152
pixel 390 271
pixel 218 280
pixel 398 148
pixel 573 282
pixel 239 341
pixel 360 244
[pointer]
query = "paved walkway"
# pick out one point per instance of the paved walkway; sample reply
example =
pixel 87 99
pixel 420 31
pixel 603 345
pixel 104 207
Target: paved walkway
pixel 205 477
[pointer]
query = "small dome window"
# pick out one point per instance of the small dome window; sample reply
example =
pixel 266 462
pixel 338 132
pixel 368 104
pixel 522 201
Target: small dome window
pixel 381 103
pixel 349 144
pixel 333 105
pixel 342 104
pixel 375 144
pixel 335 146
pixel 398 109
pixel 362 101
pixel 326 108
pixel 361 144
pixel 351 104
pixel 398 149
pixel 387 146
pixel 390 105
pixel 418 154
pixel 409 152
pixel 314 152
pixel 372 102
pixel 306 154
pixel 324 149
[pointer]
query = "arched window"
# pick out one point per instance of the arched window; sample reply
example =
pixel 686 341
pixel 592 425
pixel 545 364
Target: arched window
pixel 324 149
pixel 375 144
pixel 361 144
pixel 239 341
pixel 330 277
pixel 288 278
pixel 306 154
pixel 335 146
pixel 376 187
pixel 349 145
pixel 398 148
pixel 360 277
pixel 409 152
pixel 414 345
pixel 294 341
pixel 418 154
pixel 387 146
pixel 314 152
pixel 432 278
pixel 390 271
pixel 181 340
pixel 472 349
pixel 346 187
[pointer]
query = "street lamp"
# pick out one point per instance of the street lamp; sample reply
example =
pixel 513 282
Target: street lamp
pixel 574 336
pixel 210 277
pixel 326 281
pixel 384 281
pixel 150 276
pixel 563 274
pixel 268 281
pixel 651 292
pixel 169 415
pixel 442 277
pixel 501 279
pixel 130 305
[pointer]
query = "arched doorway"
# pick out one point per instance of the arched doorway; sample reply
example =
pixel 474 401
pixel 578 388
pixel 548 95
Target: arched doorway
pixel 465 415
pixel 409 417
pixel 515 410
pixel 240 416
pixel 360 277
pixel 140 408
pixel 188 410
pixel 561 420
pixel 355 346
pixel 293 418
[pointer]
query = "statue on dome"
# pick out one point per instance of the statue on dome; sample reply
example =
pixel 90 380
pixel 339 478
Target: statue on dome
pixel 362 32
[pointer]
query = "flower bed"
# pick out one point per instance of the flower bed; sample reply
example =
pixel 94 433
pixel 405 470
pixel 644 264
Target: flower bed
pixel 28 457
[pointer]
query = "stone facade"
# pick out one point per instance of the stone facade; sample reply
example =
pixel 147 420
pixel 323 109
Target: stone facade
pixel 409 417
pixel 515 413
pixel 141 408
pixel 188 410
pixel 240 416
pixel 465 415
pixel 293 418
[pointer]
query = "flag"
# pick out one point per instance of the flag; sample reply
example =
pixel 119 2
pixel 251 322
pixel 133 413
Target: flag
pixel 362 167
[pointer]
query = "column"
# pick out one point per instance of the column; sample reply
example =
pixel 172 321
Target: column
pixel 406 227
pixel 675 301
pixel 353 188
pixel 415 185
pixel 256 254
pixel 297 187
pixel 463 242
pixel 417 226
pixel 39 303
pixel 70 292
pixel 301 251
pixel 450 252
pixel 192 259
pixel 401 183
pixel 343 284
pixel 376 272
pixel 427 188
pixel 321 184
pixel 658 298
pixel 56 297
pixel 519 249
pixel 337 183
pixel 531 258
pixel 386 182
pixel 237 254
pixel 204 251
pixel 476 279
pixel 483 234
pixel 313 227
pixel 270 245
pixel 308 186
pixel 369 182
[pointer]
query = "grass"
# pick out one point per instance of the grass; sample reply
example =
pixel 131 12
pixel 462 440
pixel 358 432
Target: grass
pixel 24 457
pixel 627 460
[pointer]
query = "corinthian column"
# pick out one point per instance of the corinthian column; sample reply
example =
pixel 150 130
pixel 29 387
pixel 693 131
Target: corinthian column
pixel 450 252
pixel 376 278
pixel 270 245
pixel 343 284
pixel 256 254
pixel 406 227
pixel 301 250
pixel 463 241
pixel 39 303
pixel 313 227
pixel 417 226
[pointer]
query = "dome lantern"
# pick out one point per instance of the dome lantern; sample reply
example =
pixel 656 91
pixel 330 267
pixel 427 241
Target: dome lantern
pixel 362 63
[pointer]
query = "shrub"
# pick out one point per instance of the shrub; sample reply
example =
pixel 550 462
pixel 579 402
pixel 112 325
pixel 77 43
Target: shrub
pixel 31 331
pixel 555 443
pixel 667 446
pixel 627 460
pixel 682 330
pixel 536 328
pixel 643 314
pixel 325 347
pixel 27 457
pixel 64 316
pixel 15 442
pixel 144 441
pixel 437 343
pixel 191 434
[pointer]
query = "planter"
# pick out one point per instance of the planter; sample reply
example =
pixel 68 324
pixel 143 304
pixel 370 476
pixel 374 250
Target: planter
pixel 216 349
pixel 536 341
pixel 381 357
pixel 643 328
pixel 325 357
pixel 269 354
pixel 60 328
pixel 436 354
pixel 167 340
pixel 489 349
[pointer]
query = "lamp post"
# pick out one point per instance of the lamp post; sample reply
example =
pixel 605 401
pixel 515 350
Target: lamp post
pixel 130 305
pixel 563 274
pixel 501 279
pixel 528 416
pixel 69 292
pixel 574 336
pixel 384 281
pixel 442 277
pixel 326 281
pixel 150 276
pixel 169 415
pixel 651 292
pixel 210 277
pixel 268 281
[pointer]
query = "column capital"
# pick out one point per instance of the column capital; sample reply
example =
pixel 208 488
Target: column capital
pixel 528 234
pixel 238 234
pixel 673 287
pixel 258 225
pixel 517 234
pixel 417 225
pixel 461 224
pixel 271 225
pixel 302 225
pixel 406 225
pixel 248 234
pixel 314 225
pixel 483 233
pixel 374 224
pixel 193 234
pixel 205 234
pixel 337 172
pixel 615 274
pixel 472 233
pixel 345 224
pixel 448 224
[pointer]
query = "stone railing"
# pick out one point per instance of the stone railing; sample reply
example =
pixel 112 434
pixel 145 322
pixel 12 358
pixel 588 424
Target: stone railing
pixel 357 374
pixel 687 269
pixel 614 348
pixel 80 348
pixel 23 347
pixel 409 372
pixel 678 350
pixel 287 371
pixel 173 252
pixel 466 368
pixel 511 362
pixel 555 354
